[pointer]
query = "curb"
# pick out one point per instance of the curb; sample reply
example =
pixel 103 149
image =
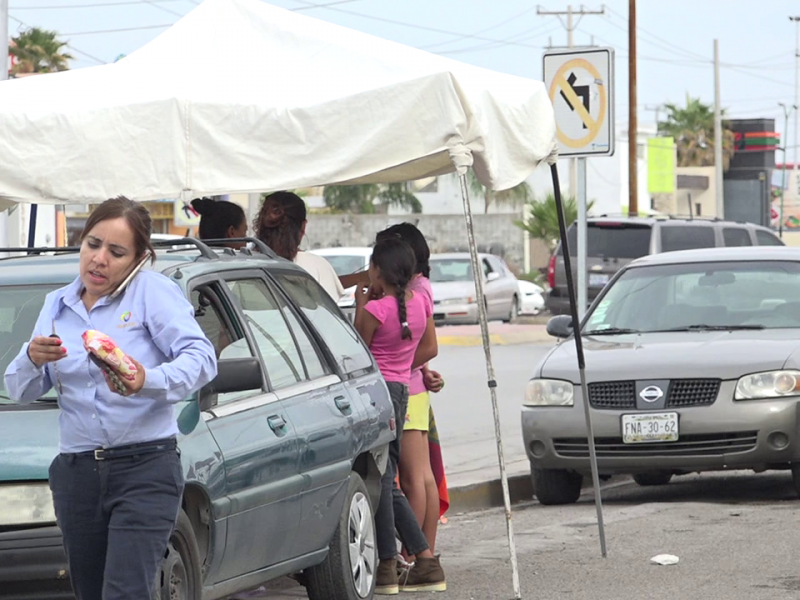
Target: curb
pixel 496 339
pixel 489 494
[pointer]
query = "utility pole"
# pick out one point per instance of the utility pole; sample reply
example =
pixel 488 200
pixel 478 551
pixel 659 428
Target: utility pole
pixel 573 170
pixel 718 196
pixel 786 112
pixel 4 38
pixel 656 109
pixel 633 126
pixel 796 20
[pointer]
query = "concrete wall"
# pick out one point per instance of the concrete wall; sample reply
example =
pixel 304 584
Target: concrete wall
pixel 493 233
pixel 679 203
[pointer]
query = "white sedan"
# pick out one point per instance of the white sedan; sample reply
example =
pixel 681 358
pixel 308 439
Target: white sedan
pixel 531 298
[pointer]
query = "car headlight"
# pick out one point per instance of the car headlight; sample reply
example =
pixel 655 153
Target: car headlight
pixel 770 384
pixel 26 504
pixel 468 300
pixel 549 392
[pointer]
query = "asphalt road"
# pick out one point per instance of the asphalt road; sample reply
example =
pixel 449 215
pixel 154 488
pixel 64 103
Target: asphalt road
pixel 463 409
pixel 733 533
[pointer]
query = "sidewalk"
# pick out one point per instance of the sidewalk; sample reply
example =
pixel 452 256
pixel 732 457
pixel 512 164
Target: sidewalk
pixel 500 334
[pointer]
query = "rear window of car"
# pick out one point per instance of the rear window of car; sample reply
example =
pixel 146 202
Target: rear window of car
pixel 345 264
pixel 765 238
pixel 612 240
pixel 686 237
pixel 736 236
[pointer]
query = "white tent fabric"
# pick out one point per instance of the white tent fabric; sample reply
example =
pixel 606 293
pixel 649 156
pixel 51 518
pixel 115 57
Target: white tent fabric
pixel 240 96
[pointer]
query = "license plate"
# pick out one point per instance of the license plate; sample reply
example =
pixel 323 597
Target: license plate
pixel 598 279
pixel 647 428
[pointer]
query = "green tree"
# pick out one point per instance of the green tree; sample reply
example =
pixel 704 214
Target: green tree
pixel 365 198
pixel 542 220
pixel 516 196
pixel 692 127
pixel 39 51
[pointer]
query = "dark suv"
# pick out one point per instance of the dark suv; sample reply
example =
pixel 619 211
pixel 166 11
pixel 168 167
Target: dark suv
pixel 613 242
pixel 282 452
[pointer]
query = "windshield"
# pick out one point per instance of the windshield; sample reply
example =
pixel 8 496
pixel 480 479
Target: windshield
pixel 19 309
pixel 612 240
pixel 685 297
pixel 345 264
pixel 450 269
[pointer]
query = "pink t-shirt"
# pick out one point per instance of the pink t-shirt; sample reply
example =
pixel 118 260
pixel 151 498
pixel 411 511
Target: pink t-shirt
pixel 422 286
pixel 393 354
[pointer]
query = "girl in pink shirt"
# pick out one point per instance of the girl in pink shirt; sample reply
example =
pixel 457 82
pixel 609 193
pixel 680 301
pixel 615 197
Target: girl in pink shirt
pixel 392 321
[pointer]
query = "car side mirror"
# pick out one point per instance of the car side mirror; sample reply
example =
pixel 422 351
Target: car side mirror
pixel 560 326
pixel 233 375
pixel 493 276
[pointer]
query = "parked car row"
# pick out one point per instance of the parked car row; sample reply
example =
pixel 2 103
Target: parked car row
pixel 282 453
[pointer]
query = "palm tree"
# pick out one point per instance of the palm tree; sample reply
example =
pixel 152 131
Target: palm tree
pixel 38 51
pixel 542 220
pixel 365 198
pixel 516 196
pixel 692 127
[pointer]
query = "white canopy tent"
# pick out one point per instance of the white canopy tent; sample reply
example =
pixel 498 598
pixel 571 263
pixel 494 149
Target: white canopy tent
pixel 240 96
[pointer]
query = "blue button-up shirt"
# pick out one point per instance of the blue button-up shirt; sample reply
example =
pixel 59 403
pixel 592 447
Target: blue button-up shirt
pixel 151 321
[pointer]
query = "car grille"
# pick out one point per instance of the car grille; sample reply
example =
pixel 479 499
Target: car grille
pixel 688 445
pixel 614 395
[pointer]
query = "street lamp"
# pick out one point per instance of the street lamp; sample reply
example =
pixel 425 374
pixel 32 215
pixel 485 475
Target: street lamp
pixel 787 111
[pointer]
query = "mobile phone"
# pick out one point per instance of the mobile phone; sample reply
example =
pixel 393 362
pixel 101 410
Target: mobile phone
pixel 121 287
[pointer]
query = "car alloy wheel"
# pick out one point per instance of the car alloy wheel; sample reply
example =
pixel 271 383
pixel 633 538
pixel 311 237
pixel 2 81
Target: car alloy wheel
pixel 363 555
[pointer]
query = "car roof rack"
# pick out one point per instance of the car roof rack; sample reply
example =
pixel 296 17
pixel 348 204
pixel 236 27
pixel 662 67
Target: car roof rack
pixel 262 247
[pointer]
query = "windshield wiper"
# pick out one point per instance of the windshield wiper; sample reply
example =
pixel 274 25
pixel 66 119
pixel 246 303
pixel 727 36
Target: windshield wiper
pixel 702 327
pixel 610 331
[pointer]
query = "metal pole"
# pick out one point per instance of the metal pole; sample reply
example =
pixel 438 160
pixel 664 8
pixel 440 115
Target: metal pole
pixel 477 273
pixel 796 87
pixel 633 126
pixel 783 172
pixel 576 329
pixel 573 166
pixel 720 204
pixel 583 295
pixel 4 38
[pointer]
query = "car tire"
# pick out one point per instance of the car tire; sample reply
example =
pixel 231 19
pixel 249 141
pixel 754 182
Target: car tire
pixel 514 310
pixel 796 477
pixel 556 486
pixel 179 576
pixel 654 478
pixel 335 578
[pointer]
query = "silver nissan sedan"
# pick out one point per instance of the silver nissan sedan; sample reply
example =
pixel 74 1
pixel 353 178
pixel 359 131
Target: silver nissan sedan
pixel 692 364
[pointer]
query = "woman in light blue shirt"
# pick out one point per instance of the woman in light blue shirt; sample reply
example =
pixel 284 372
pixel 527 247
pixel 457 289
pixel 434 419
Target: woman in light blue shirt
pixel 117 482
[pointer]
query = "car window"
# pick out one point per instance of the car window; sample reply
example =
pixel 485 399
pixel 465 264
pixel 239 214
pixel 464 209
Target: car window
pixel 686 237
pixel 315 366
pixel 765 238
pixel 749 293
pixel 450 269
pixel 487 268
pixel 344 344
pixel 736 236
pixel 19 308
pixel 210 315
pixel 612 240
pixel 275 342
pixel 346 264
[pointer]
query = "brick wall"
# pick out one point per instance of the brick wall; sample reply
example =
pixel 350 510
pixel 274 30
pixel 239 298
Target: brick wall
pixel 445 233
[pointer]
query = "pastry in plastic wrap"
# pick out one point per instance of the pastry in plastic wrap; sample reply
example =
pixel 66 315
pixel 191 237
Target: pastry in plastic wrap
pixel 110 358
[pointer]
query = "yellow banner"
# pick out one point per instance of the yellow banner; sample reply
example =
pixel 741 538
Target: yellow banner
pixel 660 165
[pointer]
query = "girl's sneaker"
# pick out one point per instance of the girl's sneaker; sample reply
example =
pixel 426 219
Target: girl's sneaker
pixel 426 575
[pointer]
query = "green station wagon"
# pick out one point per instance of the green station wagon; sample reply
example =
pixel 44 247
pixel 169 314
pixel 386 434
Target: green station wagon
pixel 282 453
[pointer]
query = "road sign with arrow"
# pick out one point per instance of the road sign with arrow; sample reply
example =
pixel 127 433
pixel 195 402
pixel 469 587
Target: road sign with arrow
pixel 580 83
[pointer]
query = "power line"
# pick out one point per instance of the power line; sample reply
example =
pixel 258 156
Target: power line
pixel 472 35
pixel 492 46
pixel 95 5
pixel 68 45
pixel 313 6
pixel 140 28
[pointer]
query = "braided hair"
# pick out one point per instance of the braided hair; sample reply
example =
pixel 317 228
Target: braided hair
pixel 396 261
pixel 414 238
pixel 279 223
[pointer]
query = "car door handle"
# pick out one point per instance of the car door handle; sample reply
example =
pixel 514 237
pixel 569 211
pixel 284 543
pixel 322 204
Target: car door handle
pixel 276 422
pixel 342 403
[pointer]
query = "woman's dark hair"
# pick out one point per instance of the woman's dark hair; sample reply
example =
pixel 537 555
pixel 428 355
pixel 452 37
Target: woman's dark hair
pixel 414 238
pixel 395 259
pixel 217 216
pixel 134 213
pixel 279 223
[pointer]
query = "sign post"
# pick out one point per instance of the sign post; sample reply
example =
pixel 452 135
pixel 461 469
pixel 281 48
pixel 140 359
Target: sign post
pixel 580 83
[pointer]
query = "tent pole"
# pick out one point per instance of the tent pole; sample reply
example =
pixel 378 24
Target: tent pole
pixel 32 226
pixel 576 330
pixel 477 273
